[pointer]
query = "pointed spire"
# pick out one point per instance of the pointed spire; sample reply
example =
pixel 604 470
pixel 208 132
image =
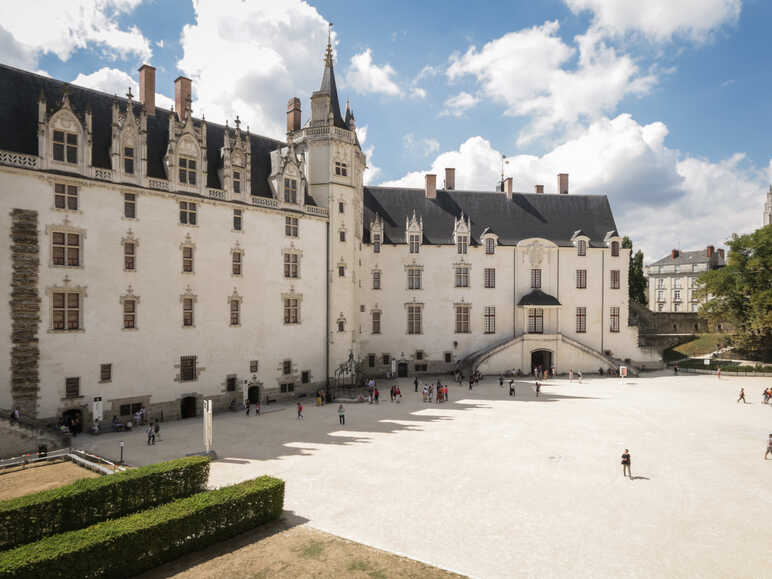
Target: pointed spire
pixel 328 83
pixel 328 54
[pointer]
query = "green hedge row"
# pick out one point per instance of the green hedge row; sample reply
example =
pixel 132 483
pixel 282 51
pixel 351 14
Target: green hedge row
pixel 725 365
pixel 92 500
pixel 133 544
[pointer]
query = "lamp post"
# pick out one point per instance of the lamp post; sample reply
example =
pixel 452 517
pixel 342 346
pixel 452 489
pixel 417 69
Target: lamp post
pixel 122 445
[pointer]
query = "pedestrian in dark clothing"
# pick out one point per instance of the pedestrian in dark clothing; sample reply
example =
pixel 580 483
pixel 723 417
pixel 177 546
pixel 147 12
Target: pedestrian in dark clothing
pixel 742 396
pixel 415 383
pixel 512 388
pixel 157 430
pixel 538 389
pixel 501 381
pixel 247 407
pixel 626 464
pixel 300 411
pixel 150 435
pixel 471 381
pixel 341 414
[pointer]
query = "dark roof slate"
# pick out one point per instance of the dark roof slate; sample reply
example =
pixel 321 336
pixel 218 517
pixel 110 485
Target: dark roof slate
pixel 689 257
pixel 538 298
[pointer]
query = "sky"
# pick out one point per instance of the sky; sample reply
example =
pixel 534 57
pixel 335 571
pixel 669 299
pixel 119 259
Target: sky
pixel 662 106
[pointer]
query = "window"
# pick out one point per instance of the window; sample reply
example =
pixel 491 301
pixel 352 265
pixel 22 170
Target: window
pixel 66 197
pixel 129 314
pixel 305 376
pixel 187 213
pixel 386 359
pixel 419 354
pixel 237 182
pixel 614 279
pixel 377 280
pixel 414 278
pixel 187 259
pixel 677 307
pixel 188 368
pixel 660 269
pixel 286 367
pixel 235 313
pixel 341 207
pixel 65 147
pixel 129 205
pixel 536 321
pixel 415 242
pixel 287 387
pixel 371 360
pixel 413 321
pixel 614 319
pixel 253 366
pixel 291 226
pixel 677 268
pixel 128 160
pixel 489 320
pixel 377 243
pixel 129 256
pixel 581 320
pixel 677 295
pixel 536 278
pixel 581 247
pixel 105 372
pixel 187 312
pixel 490 277
pixel 291 311
pixel 66 310
pixel 677 283
pixel 236 263
pixel 462 277
pixel 341 169
pixel 660 296
pixel 660 307
pixel 341 325
pixel 129 409
pixel 462 319
pixel 448 357
pixel 614 249
pixel 695 307
pixel 290 190
pixel 187 171
pixel 581 278
pixel 65 249
pixel 342 235
pixel 291 265
pixel 376 322
pixel 72 387
pixel 341 271
pixel 462 243
pixel 230 383
pixel 490 246
pixel 237 215
pixel 661 283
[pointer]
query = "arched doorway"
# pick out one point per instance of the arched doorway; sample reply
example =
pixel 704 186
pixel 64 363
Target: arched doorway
pixel 73 419
pixel 541 358
pixel 188 407
pixel 253 394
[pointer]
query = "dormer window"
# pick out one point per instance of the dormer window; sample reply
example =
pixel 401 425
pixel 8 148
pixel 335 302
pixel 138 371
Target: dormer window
pixel 614 249
pixel 65 147
pixel 462 244
pixel 415 242
pixel 128 160
pixel 290 190
pixel 377 243
pixel 237 182
pixel 581 247
pixel 187 170
pixel 490 246
pixel 341 169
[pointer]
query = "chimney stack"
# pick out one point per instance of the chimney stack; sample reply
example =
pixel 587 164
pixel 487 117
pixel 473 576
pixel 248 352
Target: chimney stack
pixel 147 88
pixel 563 183
pixel 293 115
pixel 431 186
pixel 674 253
pixel 710 251
pixel 450 178
pixel 508 187
pixel 182 93
pixel 539 188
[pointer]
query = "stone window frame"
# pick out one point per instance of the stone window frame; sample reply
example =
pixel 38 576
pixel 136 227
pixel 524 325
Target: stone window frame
pixel 66 288
pixel 489 320
pixel 188 243
pixel 128 157
pixel 417 310
pixel 289 192
pixel 286 308
pixel 464 275
pixel 341 267
pixel 376 274
pixel 291 224
pixel 376 312
pixel 581 247
pixel 129 297
pixel 536 278
pixel 237 262
pixel 130 202
pixel 188 295
pixel 614 317
pixel 236 180
pixel 108 373
pixel 66 195
pixel 414 243
pixel 130 239
pixel 535 321
pixel 489 280
pixel 72 381
pixel 377 242
pixel 341 169
pixel 65 120
pixel 196 368
pixel 235 298
pixel 581 279
pixel 66 227
pixel 238 218
pixel 287 263
pixel 188 209
pixel 615 279
pixel 581 320
pixel 412 269
pixel 188 171
pixel 462 322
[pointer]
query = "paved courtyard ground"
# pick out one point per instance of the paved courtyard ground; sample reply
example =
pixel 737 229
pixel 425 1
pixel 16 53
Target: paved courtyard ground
pixel 491 486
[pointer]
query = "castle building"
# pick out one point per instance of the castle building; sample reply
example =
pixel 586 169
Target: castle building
pixel 673 283
pixel 155 259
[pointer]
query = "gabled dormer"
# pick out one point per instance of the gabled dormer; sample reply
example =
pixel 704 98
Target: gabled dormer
pixel 581 242
pixel 376 233
pixel 236 153
pixel 128 146
pixel 461 234
pixel 414 232
pixel 490 240
pixel 65 136
pixel 613 241
pixel 288 175
pixel 185 159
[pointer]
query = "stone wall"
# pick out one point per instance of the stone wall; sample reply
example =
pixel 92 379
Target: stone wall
pixel 667 322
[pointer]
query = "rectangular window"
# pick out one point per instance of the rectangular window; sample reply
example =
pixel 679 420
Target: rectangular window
pixel 105 372
pixel 237 219
pixel 187 259
pixel 129 205
pixel 66 310
pixel 377 280
pixel 414 325
pixel 386 359
pixel 490 246
pixel 291 226
pixel 414 278
pixel 128 160
pixel 536 278
pixel 66 196
pixel 448 357
pixel 341 271
pixel 376 322
pixel 660 307
pixel 677 295
pixel 286 367
pixel 187 170
pixel 462 319
pixel 614 318
pixel 187 312
pixel 614 249
pixel 230 383
pixel 129 256
pixel 290 190
pixel 581 320
pixel 695 307
pixel 188 368
pixel 677 283
pixel 341 207
pixel 536 321
pixel 187 213
pixel 305 376
pixel 290 265
pixel 237 182
pixel 65 249
pixel 72 387
pixel 677 268
pixel 253 365
pixel 342 235
pixel 419 354
pixel 341 169
pixel 614 279
pixel 236 263
pixel 285 388
pixel 581 278
pixel 489 320
pixel 415 242
pixel 291 311
pixel 462 277
pixel 462 243
pixel 377 243
pixel 489 280
pixel 65 147
pixel 129 314
pixel 660 296
pixel 677 307
pixel 235 313
pixel 661 283
pixel 371 360
pixel 581 247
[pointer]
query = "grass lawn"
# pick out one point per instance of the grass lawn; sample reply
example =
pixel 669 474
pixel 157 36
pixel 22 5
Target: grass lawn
pixel 703 344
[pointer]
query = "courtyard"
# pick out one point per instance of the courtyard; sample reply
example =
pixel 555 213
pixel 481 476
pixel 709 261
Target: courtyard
pixel 493 486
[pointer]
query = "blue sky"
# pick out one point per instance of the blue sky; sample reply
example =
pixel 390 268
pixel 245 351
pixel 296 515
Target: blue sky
pixel 664 108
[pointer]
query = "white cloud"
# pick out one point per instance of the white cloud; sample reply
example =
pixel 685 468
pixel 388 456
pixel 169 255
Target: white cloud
pixel 427 146
pixel 371 171
pixel 364 76
pixel 60 27
pixel 457 105
pixel 114 81
pixel 660 20
pixel 418 92
pixel 532 73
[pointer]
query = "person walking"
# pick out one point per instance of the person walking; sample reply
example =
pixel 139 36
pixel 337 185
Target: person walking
pixel 415 383
pixel 247 407
pixel 579 374
pixel 150 435
pixel 538 389
pixel 571 375
pixel 377 395
pixel 300 411
pixel 742 396
pixel 15 415
pixel 769 446
pixel 501 381
pixel 471 381
pixel 718 373
pixel 157 430
pixel 626 464
pixel 341 414
pixel 512 391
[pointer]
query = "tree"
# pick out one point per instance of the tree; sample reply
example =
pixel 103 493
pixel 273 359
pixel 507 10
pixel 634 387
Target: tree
pixel 741 293
pixel 635 279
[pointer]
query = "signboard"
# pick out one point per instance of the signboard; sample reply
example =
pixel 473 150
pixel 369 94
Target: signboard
pixel 707 361
pixel 393 367
pixel 207 425
pixel 97 409
pixel 623 371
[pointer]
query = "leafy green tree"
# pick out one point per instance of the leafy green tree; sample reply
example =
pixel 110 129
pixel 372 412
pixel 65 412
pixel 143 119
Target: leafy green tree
pixel 636 279
pixel 740 294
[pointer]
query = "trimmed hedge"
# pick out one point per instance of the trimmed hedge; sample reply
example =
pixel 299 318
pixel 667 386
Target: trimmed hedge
pixel 92 500
pixel 725 365
pixel 133 544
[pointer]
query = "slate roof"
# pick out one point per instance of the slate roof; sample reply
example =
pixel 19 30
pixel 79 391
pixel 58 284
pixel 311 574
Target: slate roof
pixel 689 257
pixel 538 298
pixel 19 93
pixel 328 86
pixel 553 217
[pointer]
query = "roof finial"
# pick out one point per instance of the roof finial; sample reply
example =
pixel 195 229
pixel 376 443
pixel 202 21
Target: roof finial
pixel 238 123
pixel 129 95
pixel 328 54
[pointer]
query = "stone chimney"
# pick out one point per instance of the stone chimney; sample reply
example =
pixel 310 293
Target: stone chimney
pixel 293 115
pixel 182 92
pixel 538 188
pixel 674 253
pixel 563 183
pixel 508 187
pixel 147 88
pixel 709 251
pixel 431 186
pixel 450 178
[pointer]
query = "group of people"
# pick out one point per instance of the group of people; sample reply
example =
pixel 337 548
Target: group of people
pixel 438 393
pixel 766 395
pixel 543 373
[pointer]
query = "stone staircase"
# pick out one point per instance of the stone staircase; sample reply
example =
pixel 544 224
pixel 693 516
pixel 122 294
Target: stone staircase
pixel 26 435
